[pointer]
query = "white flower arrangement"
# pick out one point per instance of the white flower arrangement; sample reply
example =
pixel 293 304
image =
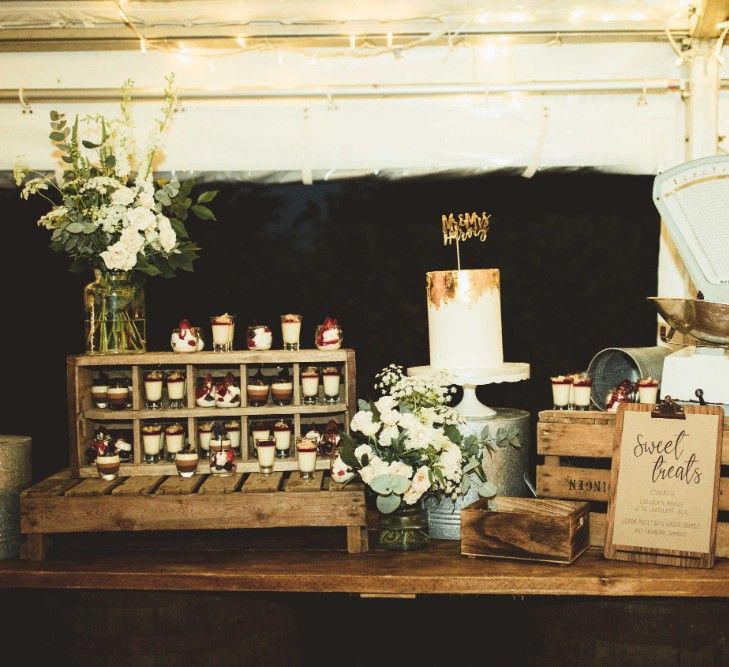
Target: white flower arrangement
pixel 407 445
pixel 107 213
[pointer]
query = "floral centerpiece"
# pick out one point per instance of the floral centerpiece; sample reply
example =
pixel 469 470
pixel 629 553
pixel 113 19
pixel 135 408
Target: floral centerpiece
pixel 406 446
pixel 109 215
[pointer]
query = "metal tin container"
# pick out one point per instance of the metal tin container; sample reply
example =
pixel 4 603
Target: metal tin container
pixel 505 468
pixel 14 477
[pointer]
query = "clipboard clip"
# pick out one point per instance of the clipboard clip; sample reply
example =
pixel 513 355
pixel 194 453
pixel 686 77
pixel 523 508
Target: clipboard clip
pixel 668 409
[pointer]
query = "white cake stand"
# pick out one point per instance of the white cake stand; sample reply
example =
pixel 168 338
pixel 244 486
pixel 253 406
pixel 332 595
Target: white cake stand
pixel 469 379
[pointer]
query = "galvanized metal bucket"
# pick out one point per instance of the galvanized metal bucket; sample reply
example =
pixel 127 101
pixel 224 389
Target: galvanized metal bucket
pixel 14 477
pixel 611 366
pixel 505 468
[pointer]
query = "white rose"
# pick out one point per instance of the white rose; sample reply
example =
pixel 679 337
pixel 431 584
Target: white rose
pixel 341 472
pixel 401 469
pixel 140 218
pixel 118 258
pixel 389 417
pixel 360 451
pixel 131 239
pixel 122 197
pixel 386 403
pixel 367 474
pixel 421 479
pixel 362 422
pixel 412 495
pixel 145 199
pixel 387 435
pixel 167 236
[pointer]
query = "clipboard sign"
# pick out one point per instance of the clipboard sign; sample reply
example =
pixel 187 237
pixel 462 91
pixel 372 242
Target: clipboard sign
pixel 664 484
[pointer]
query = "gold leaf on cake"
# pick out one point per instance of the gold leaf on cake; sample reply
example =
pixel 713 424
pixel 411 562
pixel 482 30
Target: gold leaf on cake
pixel 465 286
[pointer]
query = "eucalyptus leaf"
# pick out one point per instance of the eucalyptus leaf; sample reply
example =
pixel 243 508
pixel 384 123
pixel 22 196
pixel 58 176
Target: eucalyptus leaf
pixel 363 405
pixel 485 433
pixel 388 504
pixel 57 136
pixel 55 115
pixel 382 484
pixel 162 197
pixel 207 197
pixel 75 228
pixel 399 484
pixel 487 490
pixel 452 433
pixel 89 144
pixel 203 212
pixel 465 484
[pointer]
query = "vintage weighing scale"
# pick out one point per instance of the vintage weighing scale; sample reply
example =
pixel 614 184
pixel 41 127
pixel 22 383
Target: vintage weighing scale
pixel 693 200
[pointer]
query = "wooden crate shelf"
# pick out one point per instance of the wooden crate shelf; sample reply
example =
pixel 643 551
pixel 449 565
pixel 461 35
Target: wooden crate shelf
pixel 84 418
pixel 161 502
pixel 577 449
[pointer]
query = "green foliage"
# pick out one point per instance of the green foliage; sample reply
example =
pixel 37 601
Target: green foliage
pixel 388 504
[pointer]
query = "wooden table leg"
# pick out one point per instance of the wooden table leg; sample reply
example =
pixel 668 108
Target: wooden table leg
pixel 37 547
pixel 357 541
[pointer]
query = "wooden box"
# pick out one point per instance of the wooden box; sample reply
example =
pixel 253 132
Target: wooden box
pixel 84 418
pixel 69 504
pixel 577 449
pixel 553 531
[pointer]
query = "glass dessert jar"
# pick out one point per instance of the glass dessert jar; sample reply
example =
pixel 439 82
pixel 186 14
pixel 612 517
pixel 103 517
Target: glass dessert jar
pixel 257 390
pixel 561 387
pixel 107 465
pixel 205 394
pixel 331 380
pixel 175 381
pixel 118 393
pixel 291 331
pixel 260 431
pixel 186 338
pixel 310 385
pixel 222 456
pixel 174 440
pixel 204 434
pixel 282 388
pixel 306 455
pixel 328 335
pixel 233 429
pixel 151 442
pixel 227 393
pixel 647 390
pixel 223 327
pixel 123 445
pixel 266 453
pixel 186 462
pixel 153 381
pixel 99 392
pixel 259 337
pixel 582 391
pixel 282 438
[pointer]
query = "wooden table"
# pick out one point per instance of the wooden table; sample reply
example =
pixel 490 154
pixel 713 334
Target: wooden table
pixel 277 564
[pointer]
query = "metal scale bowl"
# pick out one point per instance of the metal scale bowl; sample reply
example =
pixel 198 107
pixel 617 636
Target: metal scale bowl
pixel 693 199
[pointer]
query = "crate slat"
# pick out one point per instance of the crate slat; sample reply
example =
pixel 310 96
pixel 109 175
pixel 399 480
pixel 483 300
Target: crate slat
pixel 294 484
pixel 215 484
pixel 258 483
pixel 53 486
pixel 137 486
pixel 179 486
pixel 93 487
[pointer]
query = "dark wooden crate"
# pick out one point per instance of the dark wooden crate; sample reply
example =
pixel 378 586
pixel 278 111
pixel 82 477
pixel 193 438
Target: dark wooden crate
pixel 531 529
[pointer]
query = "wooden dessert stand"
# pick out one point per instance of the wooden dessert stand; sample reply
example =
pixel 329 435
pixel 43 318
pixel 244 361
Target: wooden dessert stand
pixel 66 504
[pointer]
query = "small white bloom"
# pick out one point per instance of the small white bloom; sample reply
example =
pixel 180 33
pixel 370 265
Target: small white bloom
pixel 360 451
pixel 33 186
pixel 140 218
pixel 145 199
pixel 363 422
pixel 52 219
pixel 401 469
pixel 387 435
pixel 390 417
pixel 131 239
pixel 386 403
pixel 118 258
pixel 124 196
pixel 167 236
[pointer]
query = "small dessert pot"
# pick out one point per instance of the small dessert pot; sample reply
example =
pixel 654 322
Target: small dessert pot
pixel 108 466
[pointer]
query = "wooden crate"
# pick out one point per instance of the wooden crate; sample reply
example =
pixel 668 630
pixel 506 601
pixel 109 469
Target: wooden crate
pixel 566 435
pixel 159 502
pixel 533 529
pixel 84 417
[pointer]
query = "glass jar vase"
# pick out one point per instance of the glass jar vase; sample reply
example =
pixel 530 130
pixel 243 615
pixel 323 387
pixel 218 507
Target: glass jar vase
pixel 115 317
pixel 405 529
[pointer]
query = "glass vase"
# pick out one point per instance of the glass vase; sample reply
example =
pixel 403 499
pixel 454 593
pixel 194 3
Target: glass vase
pixel 405 529
pixel 115 318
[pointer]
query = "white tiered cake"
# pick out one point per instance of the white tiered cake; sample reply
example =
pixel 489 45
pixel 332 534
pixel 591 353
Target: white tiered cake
pixel 464 319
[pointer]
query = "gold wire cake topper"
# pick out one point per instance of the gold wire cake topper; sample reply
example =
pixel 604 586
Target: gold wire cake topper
pixel 463 227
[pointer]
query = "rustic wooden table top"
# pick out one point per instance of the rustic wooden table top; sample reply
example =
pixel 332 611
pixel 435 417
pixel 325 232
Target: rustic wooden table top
pixel 309 563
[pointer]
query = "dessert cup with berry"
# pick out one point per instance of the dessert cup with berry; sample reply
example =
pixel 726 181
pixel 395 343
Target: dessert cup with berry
pixel 310 385
pixel 204 435
pixel 648 390
pixel 227 393
pixel 175 381
pixel 331 380
pixel 151 442
pixel 222 456
pixel 223 328
pixel 174 440
pixel 186 338
pixel 233 429
pixel 259 337
pixel 282 438
pixel 153 381
pixel 266 454
pixel 561 387
pixel 306 455
pixel 328 335
pixel 291 331
pixel 205 394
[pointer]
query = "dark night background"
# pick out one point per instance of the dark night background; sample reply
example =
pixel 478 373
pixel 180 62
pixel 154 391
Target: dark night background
pixel 577 251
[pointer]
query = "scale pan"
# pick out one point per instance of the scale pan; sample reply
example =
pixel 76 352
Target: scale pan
pixel 705 321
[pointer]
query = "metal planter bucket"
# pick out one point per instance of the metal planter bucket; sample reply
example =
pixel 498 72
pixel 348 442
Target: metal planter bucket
pixel 614 364
pixel 14 477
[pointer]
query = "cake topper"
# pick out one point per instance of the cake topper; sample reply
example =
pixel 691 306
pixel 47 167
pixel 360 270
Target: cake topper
pixel 464 227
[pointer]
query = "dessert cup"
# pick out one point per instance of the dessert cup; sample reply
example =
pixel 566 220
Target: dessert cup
pixel 328 335
pixel 186 463
pixel 107 465
pixel 309 386
pixel 266 453
pixel 291 331
pixel 186 339
pixel 174 440
pixel 582 391
pixel 204 435
pixel 282 438
pixel 233 429
pixel 151 442
pixel 561 387
pixel 306 455
pixel 176 389
pixel 118 394
pixel 331 380
pixel 259 337
pixel 99 393
pixel 153 381
pixel 223 328
pixel 647 390
pixel 222 457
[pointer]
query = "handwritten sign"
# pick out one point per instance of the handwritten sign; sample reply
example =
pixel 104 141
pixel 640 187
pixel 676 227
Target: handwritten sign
pixel 664 486
pixel 464 227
